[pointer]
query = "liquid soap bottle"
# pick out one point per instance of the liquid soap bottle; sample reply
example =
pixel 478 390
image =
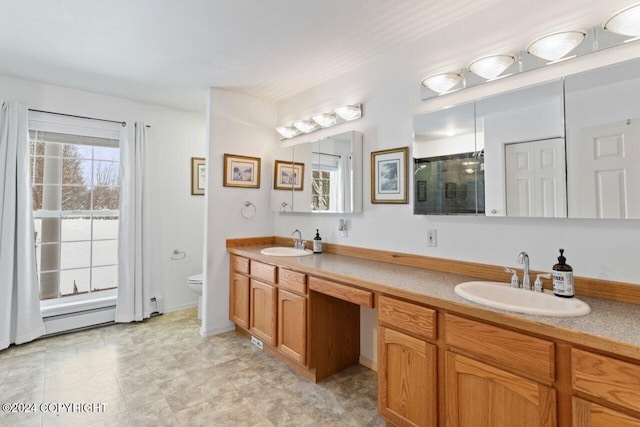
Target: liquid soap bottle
pixel 317 243
pixel 562 277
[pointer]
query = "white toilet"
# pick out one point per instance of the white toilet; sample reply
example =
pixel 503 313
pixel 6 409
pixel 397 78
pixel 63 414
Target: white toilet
pixel 195 284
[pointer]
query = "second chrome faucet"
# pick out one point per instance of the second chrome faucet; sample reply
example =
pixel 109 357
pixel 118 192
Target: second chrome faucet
pixel 523 258
pixel 298 243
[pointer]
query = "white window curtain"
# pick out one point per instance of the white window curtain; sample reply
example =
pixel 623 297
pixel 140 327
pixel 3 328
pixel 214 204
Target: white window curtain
pixel 134 249
pixel 20 318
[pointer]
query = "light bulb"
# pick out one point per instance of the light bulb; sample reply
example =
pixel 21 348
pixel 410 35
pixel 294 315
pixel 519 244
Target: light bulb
pixel 442 83
pixel 349 112
pixel 556 46
pixel 490 67
pixel 325 119
pixel 287 131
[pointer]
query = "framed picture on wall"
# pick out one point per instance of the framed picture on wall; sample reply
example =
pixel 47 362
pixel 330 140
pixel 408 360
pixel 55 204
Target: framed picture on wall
pixel 422 191
pixel 198 176
pixel 288 176
pixel 450 190
pixel 389 176
pixel 241 171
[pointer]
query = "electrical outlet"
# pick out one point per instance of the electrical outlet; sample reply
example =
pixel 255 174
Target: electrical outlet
pixel 432 238
pixel 255 341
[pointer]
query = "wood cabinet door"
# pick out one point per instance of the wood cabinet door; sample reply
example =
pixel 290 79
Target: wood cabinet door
pixel 589 414
pixel 407 385
pixel 480 395
pixel 239 300
pixel 263 313
pixel 292 326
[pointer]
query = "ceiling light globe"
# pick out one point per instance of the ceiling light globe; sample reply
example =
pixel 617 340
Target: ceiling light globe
pixel 349 112
pixel 556 46
pixel 287 131
pixel 625 22
pixel 490 67
pixel 442 83
pixel 325 119
pixel 305 126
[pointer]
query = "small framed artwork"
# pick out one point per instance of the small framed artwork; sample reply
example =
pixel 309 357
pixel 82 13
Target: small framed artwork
pixel 422 191
pixel 241 171
pixel 389 176
pixel 450 190
pixel 288 176
pixel 198 176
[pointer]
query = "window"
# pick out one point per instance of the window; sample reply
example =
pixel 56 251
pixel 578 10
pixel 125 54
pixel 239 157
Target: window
pixel 321 190
pixel 76 187
pixel 325 182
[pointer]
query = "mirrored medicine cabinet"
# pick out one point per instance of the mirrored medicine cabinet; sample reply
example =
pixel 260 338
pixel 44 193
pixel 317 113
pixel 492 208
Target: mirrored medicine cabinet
pixel 325 175
pixel 564 148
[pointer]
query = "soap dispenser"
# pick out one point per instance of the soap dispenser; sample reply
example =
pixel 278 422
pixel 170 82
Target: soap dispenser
pixel 562 277
pixel 317 243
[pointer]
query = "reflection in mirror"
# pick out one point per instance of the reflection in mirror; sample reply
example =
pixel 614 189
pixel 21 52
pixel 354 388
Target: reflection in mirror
pixel 281 199
pixel 332 174
pixel 522 133
pixel 448 165
pixel 603 142
pixel 332 188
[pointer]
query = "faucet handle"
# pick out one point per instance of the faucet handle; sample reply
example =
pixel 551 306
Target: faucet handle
pixel 514 278
pixel 538 286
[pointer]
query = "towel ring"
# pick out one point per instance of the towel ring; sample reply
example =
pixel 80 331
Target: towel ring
pixel 284 207
pixel 182 255
pixel 246 211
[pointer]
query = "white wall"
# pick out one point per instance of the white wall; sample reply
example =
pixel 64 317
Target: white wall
pixel 176 136
pixel 243 125
pixel 389 89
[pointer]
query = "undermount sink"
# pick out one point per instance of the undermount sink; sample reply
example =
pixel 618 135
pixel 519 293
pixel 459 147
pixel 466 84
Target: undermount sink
pixel 502 296
pixel 285 251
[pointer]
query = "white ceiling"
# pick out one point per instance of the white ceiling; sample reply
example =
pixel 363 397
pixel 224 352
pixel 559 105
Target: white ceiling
pixel 169 51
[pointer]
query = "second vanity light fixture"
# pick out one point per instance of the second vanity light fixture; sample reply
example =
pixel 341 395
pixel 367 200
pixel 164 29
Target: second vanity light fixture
pixel 545 50
pixel 341 114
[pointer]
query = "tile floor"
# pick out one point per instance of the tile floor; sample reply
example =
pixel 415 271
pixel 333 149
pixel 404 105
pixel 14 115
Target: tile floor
pixel 161 372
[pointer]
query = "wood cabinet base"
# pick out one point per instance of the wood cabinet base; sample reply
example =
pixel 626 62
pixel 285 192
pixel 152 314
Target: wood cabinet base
pixel 333 344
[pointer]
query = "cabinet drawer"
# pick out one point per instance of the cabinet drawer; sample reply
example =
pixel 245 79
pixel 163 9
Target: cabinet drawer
pixel 292 281
pixel 343 292
pixel 610 379
pixel 263 272
pixel 528 355
pixel 408 317
pixel 239 264
pixel 591 414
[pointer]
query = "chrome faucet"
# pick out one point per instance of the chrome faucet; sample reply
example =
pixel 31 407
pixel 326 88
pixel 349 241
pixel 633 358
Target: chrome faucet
pixel 523 258
pixel 298 243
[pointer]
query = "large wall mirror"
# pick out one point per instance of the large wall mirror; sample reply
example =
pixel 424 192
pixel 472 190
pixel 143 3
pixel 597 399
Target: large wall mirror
pixel 448 163
pixel 325 176
pixel 565 148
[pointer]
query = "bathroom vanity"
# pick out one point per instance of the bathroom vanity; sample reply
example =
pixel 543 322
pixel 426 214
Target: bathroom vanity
pixel 441 359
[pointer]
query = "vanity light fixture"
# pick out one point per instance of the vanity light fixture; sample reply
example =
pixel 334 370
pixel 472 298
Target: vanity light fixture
pixel 625 21
pixel 553 47
pixel 305 126
pixel 443 82
pixel 287 131
pixel 490 67
pixel 341 114
pixel 622 26
pixel 325 119
pixel 349 112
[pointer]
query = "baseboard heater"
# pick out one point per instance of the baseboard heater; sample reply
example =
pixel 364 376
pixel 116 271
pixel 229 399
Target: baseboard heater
pixel 79 320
